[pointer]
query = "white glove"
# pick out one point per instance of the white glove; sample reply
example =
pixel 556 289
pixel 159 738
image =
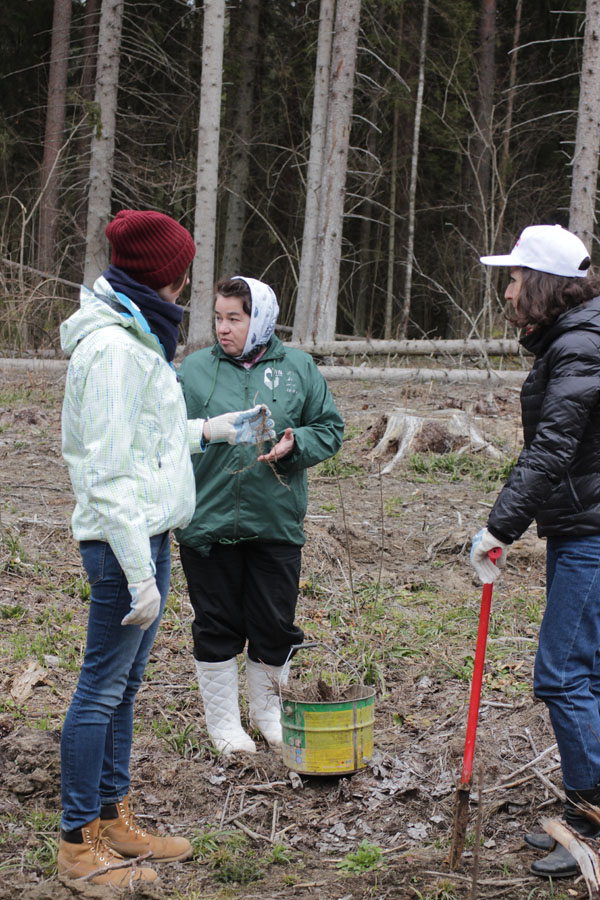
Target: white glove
pixel 483 542
pixel 145 603
pixel 252 426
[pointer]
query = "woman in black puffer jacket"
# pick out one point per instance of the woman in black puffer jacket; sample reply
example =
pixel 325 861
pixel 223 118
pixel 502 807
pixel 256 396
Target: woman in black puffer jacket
pixel 556 481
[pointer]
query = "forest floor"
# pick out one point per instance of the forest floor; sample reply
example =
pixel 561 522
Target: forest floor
pixel 387 586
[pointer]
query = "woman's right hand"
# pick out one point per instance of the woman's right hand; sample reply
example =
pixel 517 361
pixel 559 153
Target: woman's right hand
pixel 250 426
pixel 483 542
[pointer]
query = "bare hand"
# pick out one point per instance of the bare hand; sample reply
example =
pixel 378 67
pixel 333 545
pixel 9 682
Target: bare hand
pixel 282 448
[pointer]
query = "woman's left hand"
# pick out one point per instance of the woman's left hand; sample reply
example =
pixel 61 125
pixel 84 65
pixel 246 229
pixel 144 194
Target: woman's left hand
pixel 282 448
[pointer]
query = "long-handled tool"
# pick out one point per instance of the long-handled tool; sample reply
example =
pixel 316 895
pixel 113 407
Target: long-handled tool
pixel 461 799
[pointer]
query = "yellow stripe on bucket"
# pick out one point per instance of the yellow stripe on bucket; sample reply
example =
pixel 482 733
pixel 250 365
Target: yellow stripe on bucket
pixel 328 738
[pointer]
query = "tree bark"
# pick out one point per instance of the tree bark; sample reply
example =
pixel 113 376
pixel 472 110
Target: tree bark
pixel 411 348
pixel 391 242
pixel 201 301
pixel 102 149
pixel 86 94
pixel 582 212
pixel 237 186
pixel 315 171
pixel 54 137
pixel 331 218
pixel 412 193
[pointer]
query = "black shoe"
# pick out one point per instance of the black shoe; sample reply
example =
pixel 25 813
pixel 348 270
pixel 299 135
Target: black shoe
pixel 558 864
pixel 540 841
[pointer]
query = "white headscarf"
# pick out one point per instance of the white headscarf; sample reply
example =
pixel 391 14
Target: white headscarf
pixel 263 314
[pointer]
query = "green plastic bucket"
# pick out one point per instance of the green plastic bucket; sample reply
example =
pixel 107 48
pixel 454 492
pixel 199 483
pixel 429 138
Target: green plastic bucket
pixel 333 738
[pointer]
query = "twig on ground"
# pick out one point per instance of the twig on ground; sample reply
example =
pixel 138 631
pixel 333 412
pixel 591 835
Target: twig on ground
pixel 253 834
pixel 524 768
pixel 242 812
pixel 547 783
pixel 126 864
pixel 348 544
pixel 520 781
pixel 274 819
pixel 225 805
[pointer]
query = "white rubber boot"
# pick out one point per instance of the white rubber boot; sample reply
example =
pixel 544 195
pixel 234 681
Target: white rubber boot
pixel 219 688
pixel 263 693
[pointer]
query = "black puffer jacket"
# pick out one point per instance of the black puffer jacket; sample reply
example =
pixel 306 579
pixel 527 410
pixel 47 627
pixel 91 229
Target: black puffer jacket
pixel 556 479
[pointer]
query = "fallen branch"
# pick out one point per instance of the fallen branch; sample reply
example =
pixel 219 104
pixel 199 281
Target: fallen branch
pixel 524 768
pixel 449 376
pixel 548 784
pixel 411 348
pixel 581 849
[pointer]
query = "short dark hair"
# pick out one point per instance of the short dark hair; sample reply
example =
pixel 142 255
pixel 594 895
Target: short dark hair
pixel 236 287
pixel 544 297
pixel 175 285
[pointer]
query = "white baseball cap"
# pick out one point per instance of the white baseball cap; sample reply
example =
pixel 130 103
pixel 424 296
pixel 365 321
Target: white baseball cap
pixel 546 248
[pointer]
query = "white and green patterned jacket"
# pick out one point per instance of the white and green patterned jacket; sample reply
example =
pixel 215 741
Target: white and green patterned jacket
pixel 125 433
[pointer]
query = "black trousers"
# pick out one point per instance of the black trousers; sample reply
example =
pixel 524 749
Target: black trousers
pixel 244 592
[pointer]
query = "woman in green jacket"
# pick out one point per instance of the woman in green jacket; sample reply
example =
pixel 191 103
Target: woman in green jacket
pixel 241 553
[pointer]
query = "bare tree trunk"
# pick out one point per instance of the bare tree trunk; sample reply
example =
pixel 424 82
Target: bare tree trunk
pixel 373 167
pixel 242 134
pixel 481 160
pixel 315 171
pixel 55 128
pixel 485 105
pixel 510 103
pixel 391 254
pixel 391 246
pixel 102 149
pixel 331 218
pixel 412 193
pixel 582 213
pixel 86 92
pixel 201 301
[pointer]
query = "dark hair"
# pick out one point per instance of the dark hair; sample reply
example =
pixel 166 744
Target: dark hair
pixel 544 297
pixel 175 285
pixel 236 287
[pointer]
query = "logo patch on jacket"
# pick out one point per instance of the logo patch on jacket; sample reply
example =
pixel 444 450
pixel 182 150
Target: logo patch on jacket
pixel 272 377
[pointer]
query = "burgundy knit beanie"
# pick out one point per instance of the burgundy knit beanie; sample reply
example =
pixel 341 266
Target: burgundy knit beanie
pixel 151 247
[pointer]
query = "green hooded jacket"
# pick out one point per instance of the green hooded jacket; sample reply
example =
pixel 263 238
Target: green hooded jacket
pixel 238 498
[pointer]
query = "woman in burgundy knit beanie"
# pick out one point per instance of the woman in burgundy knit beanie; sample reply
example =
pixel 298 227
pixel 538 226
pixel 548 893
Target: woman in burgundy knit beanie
pixel 151 247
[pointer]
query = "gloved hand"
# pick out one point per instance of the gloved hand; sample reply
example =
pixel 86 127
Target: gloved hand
pixel 251 426
pixel 145 603
pixel 483 542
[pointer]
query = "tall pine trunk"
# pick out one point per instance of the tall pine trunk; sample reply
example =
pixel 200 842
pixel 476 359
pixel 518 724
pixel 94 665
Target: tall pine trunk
pixel 86 96
pixel 414 169
pixel 323 314
pixel 237 183
pixel 315 172
pixel 54 137
pixel 102 151
pixel 582 212
pixel 201 303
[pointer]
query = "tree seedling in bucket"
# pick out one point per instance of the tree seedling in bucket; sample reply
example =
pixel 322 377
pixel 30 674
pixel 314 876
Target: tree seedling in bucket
pixel 461 798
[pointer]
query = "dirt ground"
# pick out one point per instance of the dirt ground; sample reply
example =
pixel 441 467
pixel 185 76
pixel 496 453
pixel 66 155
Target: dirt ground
pixel 387 587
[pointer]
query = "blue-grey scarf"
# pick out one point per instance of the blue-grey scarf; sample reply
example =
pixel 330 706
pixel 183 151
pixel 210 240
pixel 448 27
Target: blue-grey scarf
pixel 164 318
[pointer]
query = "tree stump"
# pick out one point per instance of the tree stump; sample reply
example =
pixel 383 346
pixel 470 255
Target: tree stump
pixel 437 431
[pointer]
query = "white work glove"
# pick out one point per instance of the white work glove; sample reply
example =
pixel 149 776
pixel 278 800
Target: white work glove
pixel 483 542
pixel 145 603
pixel 251 426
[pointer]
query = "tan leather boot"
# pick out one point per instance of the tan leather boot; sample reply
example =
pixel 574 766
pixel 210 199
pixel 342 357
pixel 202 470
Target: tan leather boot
pixel 76 859
pixel 123 834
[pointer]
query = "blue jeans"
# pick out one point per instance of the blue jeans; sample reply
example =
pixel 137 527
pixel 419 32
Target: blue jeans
pixel 98 730
pixel 567 664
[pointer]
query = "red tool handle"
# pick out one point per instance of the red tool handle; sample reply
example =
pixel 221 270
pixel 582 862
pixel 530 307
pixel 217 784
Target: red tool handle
pixel 484 618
